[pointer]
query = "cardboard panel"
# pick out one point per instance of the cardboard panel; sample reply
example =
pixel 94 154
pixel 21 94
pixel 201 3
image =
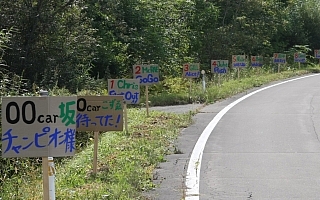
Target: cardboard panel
pixel 238 61
pixel 147 74
pixel 38 126
pixel 191 70
pixel 317 53
pixel 256 61
pixel 128 88
pixel 300 57
pixel 219 66
pixel 279 58
pixel 100 113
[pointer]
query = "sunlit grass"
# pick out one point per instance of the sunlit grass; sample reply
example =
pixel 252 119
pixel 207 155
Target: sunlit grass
pixel 228 85
pixel 125 162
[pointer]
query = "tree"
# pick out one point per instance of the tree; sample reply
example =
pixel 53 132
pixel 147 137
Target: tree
pixel 134 31
pixel 53 43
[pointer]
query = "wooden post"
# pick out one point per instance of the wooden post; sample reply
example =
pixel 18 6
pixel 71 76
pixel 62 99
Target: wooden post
pixel 278 68
pixel 45 177
pixel 45 165
pixel 219 83
pixel 238 73
pixel 125 117
pixel 147 100
pixel 214 78
pixel 95 152
pixel 299 64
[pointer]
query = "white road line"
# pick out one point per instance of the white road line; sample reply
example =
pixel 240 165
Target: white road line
pixel 194 166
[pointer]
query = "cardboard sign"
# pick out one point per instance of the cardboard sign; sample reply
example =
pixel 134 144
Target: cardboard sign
pixel 256 61
pixel 279 58
pixel 300 57
pixel 147 74
pixel 99 113
pixel 238 61
pixel 219 66
pixel 128 88
pixel 317 54
pixel 38 126
pixel 191 70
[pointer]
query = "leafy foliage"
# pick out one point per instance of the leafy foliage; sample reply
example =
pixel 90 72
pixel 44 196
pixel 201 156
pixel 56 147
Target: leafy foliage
pixel 52 43
pixel 68 43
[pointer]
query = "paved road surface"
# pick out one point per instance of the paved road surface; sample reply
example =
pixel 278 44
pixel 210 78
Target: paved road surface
pixel 179 109
pixel 265 147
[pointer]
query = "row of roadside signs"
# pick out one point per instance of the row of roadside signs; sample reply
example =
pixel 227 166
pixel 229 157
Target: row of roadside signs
pixel 192 70
pixel 45 126
pixel 130 88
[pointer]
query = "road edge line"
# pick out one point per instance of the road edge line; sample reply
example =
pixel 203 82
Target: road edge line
pixel 192 182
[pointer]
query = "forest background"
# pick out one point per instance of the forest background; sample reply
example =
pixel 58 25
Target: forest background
pixel 77 45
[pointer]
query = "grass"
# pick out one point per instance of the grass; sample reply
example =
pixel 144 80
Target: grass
pixel 228 86
pixel 126 161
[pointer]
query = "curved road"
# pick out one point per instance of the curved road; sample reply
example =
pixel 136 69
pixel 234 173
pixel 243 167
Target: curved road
pixel 263 145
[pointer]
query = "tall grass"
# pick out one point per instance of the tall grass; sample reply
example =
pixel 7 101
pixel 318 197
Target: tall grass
pixel 125 162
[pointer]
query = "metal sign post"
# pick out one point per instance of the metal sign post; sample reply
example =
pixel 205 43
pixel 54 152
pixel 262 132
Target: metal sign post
pixel 203 80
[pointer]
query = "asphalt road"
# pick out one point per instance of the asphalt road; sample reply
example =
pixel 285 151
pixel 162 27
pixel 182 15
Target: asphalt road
pixel 179 109
pixel 265 146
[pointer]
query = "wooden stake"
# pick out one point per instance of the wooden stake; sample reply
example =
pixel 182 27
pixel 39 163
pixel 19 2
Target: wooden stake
pixel 125 117
pixel 45 176
pixel 95 152
pixel 238 73
pixel 214 78
pixel 278 68
pixel 147 100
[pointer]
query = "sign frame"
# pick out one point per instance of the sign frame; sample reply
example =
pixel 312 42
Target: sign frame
pixel 219 66
pixel 128 88
pixel 191 70
pixel 300 57
pixel 256 61
pixel 279 58
pixel 147 74
pixel 38 126
pixel 100 113
pixel 239 61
